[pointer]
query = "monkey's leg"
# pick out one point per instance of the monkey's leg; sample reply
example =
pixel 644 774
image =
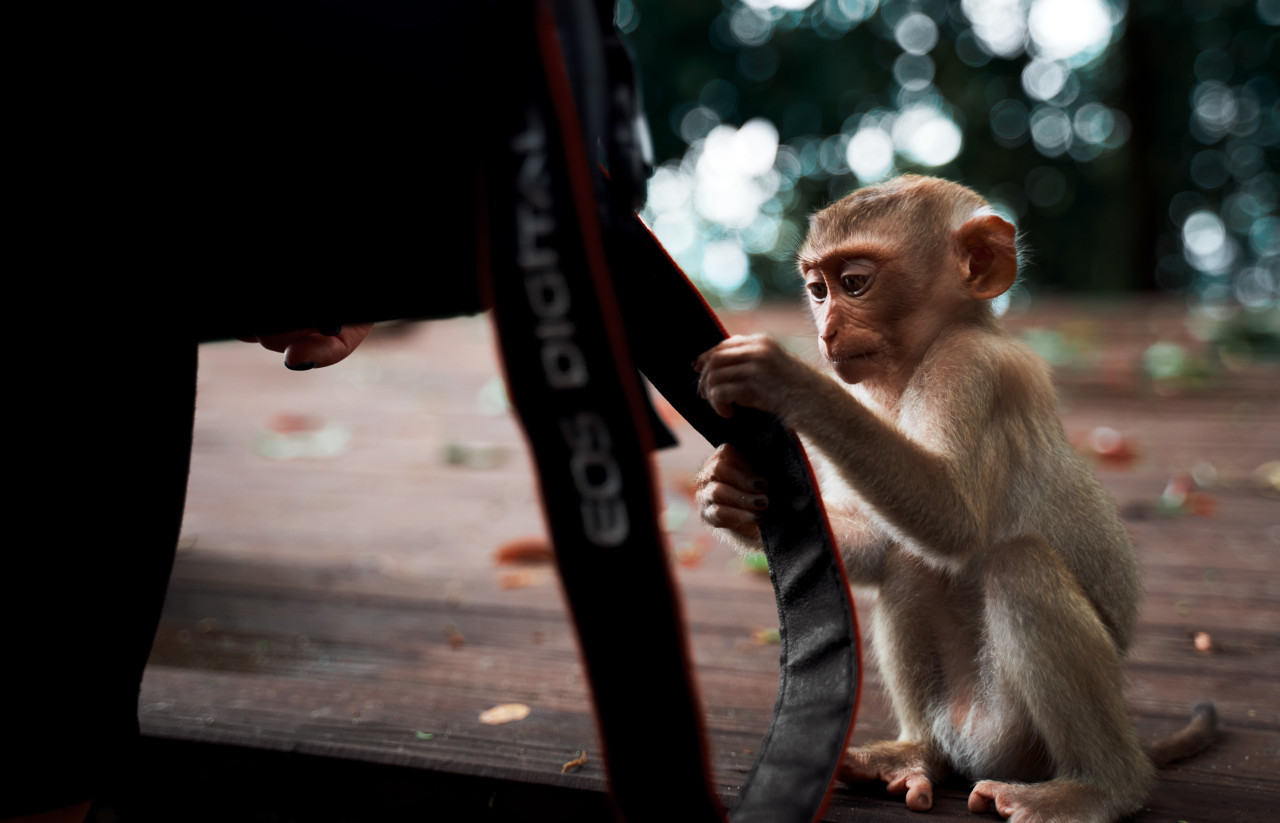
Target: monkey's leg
pixel 1051 652
pixel 906 767
pixel 907 647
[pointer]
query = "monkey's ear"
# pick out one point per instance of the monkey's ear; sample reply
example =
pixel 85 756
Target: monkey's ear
pixel 988 243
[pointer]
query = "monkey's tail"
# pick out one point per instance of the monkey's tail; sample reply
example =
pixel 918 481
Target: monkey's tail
pixel 1194 738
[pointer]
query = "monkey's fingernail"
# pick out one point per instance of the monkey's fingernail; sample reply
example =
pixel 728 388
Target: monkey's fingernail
pixel 330 331
pixel 760 502
pixel 306 365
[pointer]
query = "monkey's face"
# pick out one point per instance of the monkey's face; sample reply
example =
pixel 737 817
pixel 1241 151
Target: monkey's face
pixel 848 336
pixel 862 295
pixel 887 271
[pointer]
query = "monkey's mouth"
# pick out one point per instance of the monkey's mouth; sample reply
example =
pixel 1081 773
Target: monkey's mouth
pixel 859 357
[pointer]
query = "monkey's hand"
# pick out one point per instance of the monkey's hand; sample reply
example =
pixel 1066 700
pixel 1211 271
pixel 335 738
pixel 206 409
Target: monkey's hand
pixel 754 372
pixel 730 495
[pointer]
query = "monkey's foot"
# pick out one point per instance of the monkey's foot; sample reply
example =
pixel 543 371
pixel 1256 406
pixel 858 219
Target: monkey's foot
pixel 904 766
pixel 1056 801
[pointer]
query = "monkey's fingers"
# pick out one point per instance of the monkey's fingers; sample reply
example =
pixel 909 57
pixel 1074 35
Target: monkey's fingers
pixel 732 347
pixel 734 497
pixel 736 385
pixel 736 520
pixel 721 398
pixel 729 466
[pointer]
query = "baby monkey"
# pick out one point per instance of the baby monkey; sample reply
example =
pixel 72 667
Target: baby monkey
pixel 1007 582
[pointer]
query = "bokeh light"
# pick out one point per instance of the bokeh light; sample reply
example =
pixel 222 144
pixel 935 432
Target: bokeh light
pixel 870 154
pixel 724 264
pixel 1269 12
pixel 914 72
pixel 1051 130
pixel 785 5
pixel 925 135
pixel 1000 26
pixel 1010 121
pixel 1034 102
pixel 916 33
pixel 1075 31
pixel 1044 79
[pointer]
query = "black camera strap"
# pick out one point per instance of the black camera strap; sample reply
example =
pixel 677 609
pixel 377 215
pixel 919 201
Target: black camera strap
pixel 580 402
pixel 579 289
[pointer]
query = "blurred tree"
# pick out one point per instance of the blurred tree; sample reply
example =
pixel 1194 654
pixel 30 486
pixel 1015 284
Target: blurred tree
pixel 1114 136
pixel 1203 94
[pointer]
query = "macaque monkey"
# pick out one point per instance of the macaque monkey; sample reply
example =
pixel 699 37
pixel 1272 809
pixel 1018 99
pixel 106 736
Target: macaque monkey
pixel 1007 583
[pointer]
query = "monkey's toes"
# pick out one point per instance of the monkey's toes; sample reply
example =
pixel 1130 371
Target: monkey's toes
pixel 918 788
pixel 887 763
pixel 979 799
pixel 988 794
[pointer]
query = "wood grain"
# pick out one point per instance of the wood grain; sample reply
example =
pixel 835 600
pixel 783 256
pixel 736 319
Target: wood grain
pixel 340 622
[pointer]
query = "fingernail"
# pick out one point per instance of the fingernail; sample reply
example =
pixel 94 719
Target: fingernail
pixel 330 331
pixel 306 365
pixel 760 502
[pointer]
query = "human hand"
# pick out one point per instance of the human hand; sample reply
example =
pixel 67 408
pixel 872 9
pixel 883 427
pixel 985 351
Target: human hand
pixel 306 349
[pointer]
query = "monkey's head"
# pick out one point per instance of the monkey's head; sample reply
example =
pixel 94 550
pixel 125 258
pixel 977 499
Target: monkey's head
pixel 889 267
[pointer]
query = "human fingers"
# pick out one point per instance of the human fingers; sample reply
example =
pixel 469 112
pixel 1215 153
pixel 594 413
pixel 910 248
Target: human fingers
pixel 279 341
pixel 317 350
pixel 313 348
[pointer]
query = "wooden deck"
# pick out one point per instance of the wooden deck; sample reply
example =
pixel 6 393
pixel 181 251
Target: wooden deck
pixel 336 624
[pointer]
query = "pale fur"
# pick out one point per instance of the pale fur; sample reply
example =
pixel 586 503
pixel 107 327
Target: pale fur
pixel 1008 586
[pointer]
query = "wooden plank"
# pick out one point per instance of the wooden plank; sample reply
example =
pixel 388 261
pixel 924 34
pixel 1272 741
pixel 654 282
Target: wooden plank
pixel 346 610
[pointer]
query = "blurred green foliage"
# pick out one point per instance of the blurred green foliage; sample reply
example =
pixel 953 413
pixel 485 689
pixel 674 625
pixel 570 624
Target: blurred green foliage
pixel 1133 143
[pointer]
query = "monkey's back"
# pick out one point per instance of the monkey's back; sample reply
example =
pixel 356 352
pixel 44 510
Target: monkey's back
pixel 1063 502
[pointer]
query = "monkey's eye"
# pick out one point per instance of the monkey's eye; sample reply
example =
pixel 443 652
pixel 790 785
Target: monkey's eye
pixel 855 284
pixel 818 289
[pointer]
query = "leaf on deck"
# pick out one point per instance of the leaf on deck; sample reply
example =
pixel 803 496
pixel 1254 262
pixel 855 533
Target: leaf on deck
pixel 504 713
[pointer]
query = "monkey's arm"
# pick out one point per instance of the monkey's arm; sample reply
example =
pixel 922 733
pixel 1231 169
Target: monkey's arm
pixel 862 542
pixel 930 498
pixel 932 492
pixel 863 547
